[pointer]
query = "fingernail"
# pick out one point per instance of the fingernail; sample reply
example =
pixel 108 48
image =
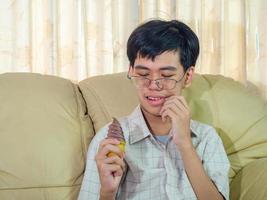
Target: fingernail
pixel 116 141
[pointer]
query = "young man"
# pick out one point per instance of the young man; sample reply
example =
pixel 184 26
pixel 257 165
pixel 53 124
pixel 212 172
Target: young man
pixel 168 155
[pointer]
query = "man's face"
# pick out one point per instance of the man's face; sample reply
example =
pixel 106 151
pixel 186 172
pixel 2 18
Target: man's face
pixel 165 65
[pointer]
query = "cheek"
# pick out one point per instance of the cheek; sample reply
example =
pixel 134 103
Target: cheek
pixel 175 91
pixel 140 93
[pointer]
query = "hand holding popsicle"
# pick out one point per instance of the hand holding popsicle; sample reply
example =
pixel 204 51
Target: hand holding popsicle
pixel 109 160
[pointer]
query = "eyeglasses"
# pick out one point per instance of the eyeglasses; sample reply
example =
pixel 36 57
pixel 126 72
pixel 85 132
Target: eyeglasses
pixel 162 83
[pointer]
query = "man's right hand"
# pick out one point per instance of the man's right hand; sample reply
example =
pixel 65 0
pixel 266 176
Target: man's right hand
pixel 110 169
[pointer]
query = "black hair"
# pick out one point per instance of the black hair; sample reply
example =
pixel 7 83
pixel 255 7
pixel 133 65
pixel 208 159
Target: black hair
pixel 157 36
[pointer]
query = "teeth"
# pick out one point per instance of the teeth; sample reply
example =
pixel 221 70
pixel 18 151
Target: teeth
pixel 154 98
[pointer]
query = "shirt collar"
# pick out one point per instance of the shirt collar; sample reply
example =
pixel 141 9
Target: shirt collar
pixel 139 129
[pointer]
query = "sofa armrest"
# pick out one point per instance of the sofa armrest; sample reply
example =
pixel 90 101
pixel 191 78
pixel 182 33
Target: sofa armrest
pixel 250 182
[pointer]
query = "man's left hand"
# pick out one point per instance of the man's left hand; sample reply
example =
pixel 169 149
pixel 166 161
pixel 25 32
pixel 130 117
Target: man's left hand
pixel 176 108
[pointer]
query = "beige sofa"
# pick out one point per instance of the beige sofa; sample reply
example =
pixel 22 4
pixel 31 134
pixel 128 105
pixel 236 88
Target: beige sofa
pixel 47 122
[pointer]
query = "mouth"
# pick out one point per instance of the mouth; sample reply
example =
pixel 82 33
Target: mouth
pixel 155 100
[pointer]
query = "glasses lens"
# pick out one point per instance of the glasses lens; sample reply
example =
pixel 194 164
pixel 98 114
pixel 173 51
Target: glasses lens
pixel 168 84
pixel 140 82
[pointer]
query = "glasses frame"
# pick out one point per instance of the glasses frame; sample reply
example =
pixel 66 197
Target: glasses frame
pixel 157 80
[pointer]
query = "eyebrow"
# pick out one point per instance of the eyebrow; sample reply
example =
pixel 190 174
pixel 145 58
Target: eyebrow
pixel 169 68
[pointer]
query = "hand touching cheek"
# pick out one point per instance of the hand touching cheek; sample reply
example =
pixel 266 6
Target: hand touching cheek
pixel 176 108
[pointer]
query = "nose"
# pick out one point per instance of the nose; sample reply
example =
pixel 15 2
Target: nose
pixel 154 85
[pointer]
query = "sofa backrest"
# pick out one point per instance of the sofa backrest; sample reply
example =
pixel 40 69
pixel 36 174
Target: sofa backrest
pixel 239 116
pixel 44 134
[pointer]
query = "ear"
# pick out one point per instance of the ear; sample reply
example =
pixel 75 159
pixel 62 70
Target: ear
pixel 189 74
pixel 130 71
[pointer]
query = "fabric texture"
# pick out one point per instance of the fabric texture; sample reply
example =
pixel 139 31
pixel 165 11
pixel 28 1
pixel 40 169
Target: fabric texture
pixel 45 129
pixel 250 182
pixel 156 171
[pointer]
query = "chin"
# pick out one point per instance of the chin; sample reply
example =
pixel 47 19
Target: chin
pixel 151 110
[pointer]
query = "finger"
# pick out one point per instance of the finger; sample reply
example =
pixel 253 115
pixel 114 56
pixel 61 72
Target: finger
pixel 184 106
pixel 114 169
pixel 167 101
pixel 174 105
pixel 184 102
pixel 102 153
pixel 115 160
pixel 108 141
pixel 180 112
pixel 165 114
pixel 179 105
pixel 178 99
pixel 168 113
pixel 179 108
pixel 181 99
pixel 118 173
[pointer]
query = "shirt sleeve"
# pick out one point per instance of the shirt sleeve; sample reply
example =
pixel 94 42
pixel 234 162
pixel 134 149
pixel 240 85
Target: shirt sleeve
pixel 90 188
pixel 216 163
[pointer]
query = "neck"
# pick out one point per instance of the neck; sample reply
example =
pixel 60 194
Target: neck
pixel 155 123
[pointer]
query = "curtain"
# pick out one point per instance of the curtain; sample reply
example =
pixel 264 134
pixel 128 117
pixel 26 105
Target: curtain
pixel 75 39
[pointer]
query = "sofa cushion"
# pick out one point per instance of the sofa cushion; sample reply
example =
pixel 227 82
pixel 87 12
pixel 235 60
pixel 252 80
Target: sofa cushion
pixel 44 134
pixel 108 96
pixel 239 115
pixel 249 181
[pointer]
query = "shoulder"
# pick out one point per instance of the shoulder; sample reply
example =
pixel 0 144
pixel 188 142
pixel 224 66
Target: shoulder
pixel 100 135
pixel 204 131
